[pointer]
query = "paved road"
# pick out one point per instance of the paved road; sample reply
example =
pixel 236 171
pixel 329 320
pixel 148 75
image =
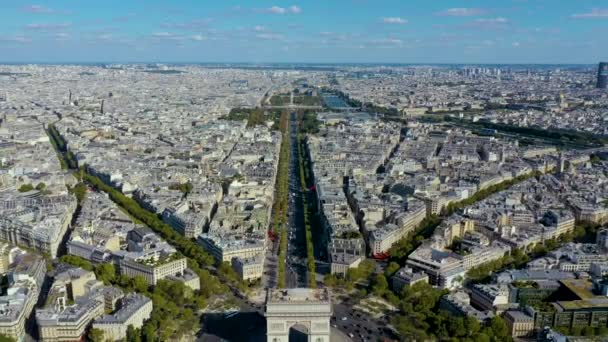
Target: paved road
pixel 296 234
pixel 361 325
pixel 269 278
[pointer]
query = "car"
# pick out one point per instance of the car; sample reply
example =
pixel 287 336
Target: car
pixel 344 318
pixel 351 335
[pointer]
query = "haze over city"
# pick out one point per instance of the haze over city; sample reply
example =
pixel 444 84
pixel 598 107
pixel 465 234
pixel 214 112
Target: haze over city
pixel 340 31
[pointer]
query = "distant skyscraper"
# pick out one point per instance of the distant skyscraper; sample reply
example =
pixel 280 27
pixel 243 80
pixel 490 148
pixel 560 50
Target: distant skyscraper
pixel 602 76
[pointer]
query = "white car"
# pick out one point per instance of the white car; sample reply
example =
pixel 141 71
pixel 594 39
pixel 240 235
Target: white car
pixel 344 318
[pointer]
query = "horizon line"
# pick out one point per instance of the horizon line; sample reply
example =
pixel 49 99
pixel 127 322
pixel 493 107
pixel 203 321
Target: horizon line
pixel 291 63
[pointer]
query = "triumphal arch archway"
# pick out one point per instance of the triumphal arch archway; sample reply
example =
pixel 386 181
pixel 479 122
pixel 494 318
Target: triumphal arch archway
pixel 310 308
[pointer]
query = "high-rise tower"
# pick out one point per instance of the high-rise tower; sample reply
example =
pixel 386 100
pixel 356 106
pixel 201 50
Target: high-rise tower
pixel 602 76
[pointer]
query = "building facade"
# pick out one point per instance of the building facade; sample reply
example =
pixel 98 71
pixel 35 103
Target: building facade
pixel 153 273
pixel 134 310
pixel 288 307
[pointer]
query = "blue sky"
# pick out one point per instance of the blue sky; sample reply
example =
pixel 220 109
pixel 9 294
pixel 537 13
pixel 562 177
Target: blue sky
pixel 357 31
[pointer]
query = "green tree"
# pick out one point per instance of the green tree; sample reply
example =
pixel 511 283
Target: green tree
pixel 106 273
pixel 79 190
pixel 379 285
pixel 40 186
pixel 4 338
pixel 77 261
pixel 95 335
pixel 140 284
pixel 149 331
pixel 330 280
pixel 391 269
pixel 133 335
pixel 588 331
pixel 363 271
pixel 602 331
pixel 576 331
pixel 26 188
pixel 499 328
pixel 472 325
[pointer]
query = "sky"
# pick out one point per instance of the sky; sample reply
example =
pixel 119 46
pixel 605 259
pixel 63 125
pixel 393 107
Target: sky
pixel 311 31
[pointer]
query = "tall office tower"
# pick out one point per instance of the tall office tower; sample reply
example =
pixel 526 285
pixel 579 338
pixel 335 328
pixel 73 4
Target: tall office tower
pixel 602 76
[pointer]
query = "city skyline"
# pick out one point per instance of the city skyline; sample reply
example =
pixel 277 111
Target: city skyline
pixel 354 31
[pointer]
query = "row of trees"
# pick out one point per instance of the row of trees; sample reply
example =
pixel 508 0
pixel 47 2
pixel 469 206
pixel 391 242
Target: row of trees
pixel 420 316
pixel 556 135
pixel 30 187
pixel 281 205
pixel 310 253
pixel 197 256
pixel 519 257
pixel 66 157
pixel 402 248
pixel 187 247
pixel 79 190
pixel 485 193
pixel 309 124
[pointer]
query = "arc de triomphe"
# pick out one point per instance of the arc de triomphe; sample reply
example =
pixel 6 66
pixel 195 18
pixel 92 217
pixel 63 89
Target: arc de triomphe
pixel 310 308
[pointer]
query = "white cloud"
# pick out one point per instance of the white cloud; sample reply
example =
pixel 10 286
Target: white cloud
pixel 499 20
pixel 47 27
pixel 462 12
pixel 394 20
pixel 162 34
pixel 198 37
pixel 38 9
pixel 387 41
pixel 595 13
pixel 295 9
pixel 277 10
pixel 194 25
pixel 269 36
pixel 259 28
pixel 283 10
pixel 16 39
pixel 498 23
pixel 105 36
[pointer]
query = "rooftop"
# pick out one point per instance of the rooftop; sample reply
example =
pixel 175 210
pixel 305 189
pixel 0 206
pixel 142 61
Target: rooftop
pixel 298 295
